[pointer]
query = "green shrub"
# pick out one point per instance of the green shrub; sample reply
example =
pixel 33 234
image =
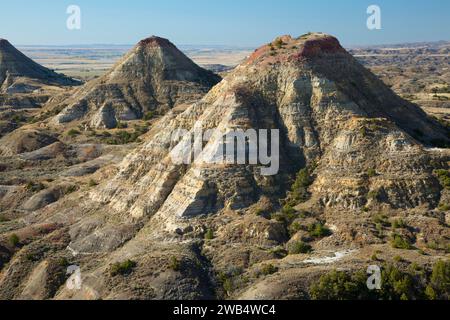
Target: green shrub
pixel 444 207
pixel 444 178
pixel 92 183
pixel 121 125
pixel 268 269
pixel 318 230
pixel 279 252
pixel 400 242
pixel 149 116
pixel 262 213
pixel 363 132
pixel 396 284
pixel 339 285
pixel 14 240
pixel 34 187
pixel 371 173
pixel 399 224
pixel 209 235
pixel 432 245
pixel 294 228
pixel 374 194
pixel 286 216
pixel 299 191
pixel 439 287
pixel 228 280
pixel 175 264
pixel 124 137
pixel 73 133
pixel 299 248
pixel 122 268
pixel 70 189
pixel 382 220
pixel 62 262
pixel 279 43
pixel 228 286
pixel 3 219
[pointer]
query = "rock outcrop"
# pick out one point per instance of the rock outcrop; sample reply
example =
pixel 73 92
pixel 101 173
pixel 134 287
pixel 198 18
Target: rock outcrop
pixel 153 77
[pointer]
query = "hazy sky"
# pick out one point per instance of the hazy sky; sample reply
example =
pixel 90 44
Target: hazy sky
pixel 229 22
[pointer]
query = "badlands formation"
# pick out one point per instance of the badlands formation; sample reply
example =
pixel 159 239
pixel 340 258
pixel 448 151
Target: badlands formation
pixel 362 176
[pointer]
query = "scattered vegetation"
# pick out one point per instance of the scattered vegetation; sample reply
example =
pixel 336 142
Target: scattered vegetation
pixel 294 228
pixel 121 125
pixel 374 194
pixel 299 191
pixel 149 116
pixel 279 43
pixel 371 173
pixel 262 213
pixel 318 230
pixel 73 133
pixel 299 248
pixel 438 246
pixel 287 215
pixel 92 183
pixel 279 252
pixel 230 279
pixel 444 178
pixel 123 268
pixel 14 240
pixel 439 285
pixel 70 189
pixel 401 242
pixel 34 187
pixel 396 284
pixel 175 264
pixel 209 235
pixel 363 132
pixel 62 262
pixel 268 269
pixel 399 224
pixel 339 285
pixel 124 136
pixel 381 219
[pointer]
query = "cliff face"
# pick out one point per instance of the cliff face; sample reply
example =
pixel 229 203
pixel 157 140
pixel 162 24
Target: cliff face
pixel 367 154
pixel 153 76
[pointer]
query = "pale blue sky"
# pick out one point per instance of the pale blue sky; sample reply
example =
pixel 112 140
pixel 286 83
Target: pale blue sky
pixel 228 22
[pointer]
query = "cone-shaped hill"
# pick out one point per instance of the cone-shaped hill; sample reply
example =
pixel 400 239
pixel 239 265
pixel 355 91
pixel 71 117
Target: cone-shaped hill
pixel 14 65
pixel 153 76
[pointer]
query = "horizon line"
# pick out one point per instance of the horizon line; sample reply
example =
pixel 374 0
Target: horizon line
pixel 219 45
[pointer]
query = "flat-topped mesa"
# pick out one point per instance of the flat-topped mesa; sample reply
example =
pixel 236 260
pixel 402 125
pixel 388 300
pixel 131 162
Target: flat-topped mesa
pixel 286 48
pixel 155 41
